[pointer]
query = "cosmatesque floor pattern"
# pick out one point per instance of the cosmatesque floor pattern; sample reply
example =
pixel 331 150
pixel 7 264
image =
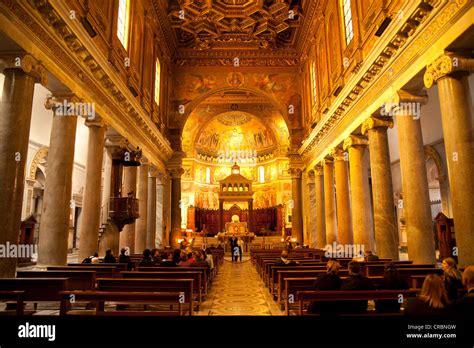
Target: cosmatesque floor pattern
pixel 238 290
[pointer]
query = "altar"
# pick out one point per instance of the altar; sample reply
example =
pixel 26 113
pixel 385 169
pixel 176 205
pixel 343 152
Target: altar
pixel 236 227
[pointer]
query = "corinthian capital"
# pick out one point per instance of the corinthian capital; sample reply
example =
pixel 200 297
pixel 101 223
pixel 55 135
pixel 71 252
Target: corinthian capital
pixel 295 173
pixel 339 154
pixel 446 65
pixel 318 169
pixel 176 173
pixel 26 62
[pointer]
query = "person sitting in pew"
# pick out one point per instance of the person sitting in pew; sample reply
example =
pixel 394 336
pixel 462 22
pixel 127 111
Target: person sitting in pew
pixel 109 256
pixel 369 256
pixel 391 281
pixel 167 260
pixel 176 256
pixel 432 301
pixel 283 260
pixel 328 281
pixel 465 305
pixel 208 258
pixel 199 260
pixel 147 261
pixel 125 258
pixel 452 278
pixel 356 281
pixel 95 258
pixel 186 260
pixel 155 256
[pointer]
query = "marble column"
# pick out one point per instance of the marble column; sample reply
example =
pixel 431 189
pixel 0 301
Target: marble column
pixel 312 211
pixel 151 210
pixel 15 119
pixel 416 198
pixel 362 221
pixel 385 219
pixel 166 210
pixel 330 201
pixel 54 229
pixel 142 221
pixel 175 231
pixel 160 239
pixel 343 200
pixel 91 202
pixel 451 72
pixel 297 211
pixel 127 236
pixel 320 211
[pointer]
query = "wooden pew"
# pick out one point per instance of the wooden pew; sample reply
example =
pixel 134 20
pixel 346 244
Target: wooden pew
pixel 196 276
pixel 293 285
pixel 119 266
pixel 101 297
pixel 78 280
pixel 341 295
pixel 184 286
pixel 296 273
pixel 378 269
pixel 18 297
pixel 36 289
pixel 101 271
pixel 273 278
pixel 203 270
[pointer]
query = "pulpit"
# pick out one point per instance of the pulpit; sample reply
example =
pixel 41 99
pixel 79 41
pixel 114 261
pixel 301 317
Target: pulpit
pixel 446 236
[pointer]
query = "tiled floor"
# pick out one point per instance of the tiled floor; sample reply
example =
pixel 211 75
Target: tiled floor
pixel 238 290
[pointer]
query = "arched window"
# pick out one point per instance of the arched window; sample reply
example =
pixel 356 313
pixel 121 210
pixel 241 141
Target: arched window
pixel 347 14
pixel 261 174
pixel 157 81
pixel 208 175
pixel 314 82
pixel 123 22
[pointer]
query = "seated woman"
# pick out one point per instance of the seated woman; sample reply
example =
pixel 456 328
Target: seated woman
pixel 328 281
pixel 432 301
pixel 391 281
pixel 109 256
pixel 452 278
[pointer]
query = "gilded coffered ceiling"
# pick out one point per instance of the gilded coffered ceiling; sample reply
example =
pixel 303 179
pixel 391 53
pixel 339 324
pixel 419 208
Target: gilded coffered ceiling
pixel 203 29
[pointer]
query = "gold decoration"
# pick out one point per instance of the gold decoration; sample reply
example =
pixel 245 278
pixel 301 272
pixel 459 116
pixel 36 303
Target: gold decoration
pixel 445 65
pixel 375 122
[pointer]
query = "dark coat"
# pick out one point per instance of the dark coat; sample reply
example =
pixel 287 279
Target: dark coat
pixel 356 282
pixel 167 263
pixel 109 259
pixel 464 307
pixel 126 259
pixel 390 306
pixel 416 307
pixel 279 262
pixel 452 286
pixel 328 281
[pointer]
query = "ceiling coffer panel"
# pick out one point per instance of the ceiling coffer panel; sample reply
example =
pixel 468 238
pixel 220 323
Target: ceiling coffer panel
pixel 235 24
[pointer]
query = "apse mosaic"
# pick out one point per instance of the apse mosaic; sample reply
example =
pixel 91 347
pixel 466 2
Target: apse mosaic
pixel 249 135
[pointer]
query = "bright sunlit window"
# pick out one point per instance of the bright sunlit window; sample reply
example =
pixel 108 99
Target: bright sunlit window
pixel 157 81
pixel 314 84
pixel 123 22
pixel 346 8
pixel 208 175
pixel 261 174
